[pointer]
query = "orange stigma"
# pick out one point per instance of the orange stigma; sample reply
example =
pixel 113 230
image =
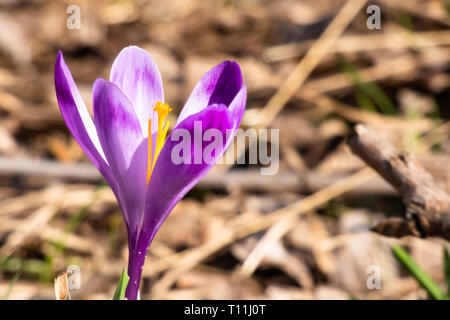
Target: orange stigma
pixel 163 110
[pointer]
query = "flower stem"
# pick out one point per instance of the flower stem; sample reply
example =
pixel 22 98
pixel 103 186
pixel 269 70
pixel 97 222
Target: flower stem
pixel 136 259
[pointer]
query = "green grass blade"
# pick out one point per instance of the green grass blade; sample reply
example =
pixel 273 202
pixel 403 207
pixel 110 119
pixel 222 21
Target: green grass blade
pixel 447 269
pixel 370 89
pixel 378 96
pixel 404 20
pixel 119 294
pixel 418 273
pixel 364 101
pixel 446 5
pixel 11 286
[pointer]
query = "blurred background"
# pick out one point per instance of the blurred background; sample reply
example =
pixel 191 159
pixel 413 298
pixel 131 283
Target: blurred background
pixel 56 211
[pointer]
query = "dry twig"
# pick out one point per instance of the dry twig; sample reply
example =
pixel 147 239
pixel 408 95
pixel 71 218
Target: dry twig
pixel 427 206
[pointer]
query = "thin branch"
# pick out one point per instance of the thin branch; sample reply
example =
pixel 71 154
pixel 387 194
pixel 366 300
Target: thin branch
pixel 427 205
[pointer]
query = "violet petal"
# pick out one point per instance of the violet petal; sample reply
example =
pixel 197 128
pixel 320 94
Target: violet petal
pixel 135 72
pixel 125 147
pixel 218 86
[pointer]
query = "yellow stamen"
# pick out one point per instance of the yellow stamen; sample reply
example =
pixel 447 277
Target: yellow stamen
pixel 163 110
pixel 149 165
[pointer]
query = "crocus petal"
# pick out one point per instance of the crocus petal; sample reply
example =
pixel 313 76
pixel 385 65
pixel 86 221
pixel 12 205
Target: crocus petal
pixel 237 106
pixel 137 75
pixel 78 119
pixel 218 86
pixel 170 181
pixel 124 145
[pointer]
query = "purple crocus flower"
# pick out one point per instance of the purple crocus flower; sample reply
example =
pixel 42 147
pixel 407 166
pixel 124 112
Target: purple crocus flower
pixel 126 141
